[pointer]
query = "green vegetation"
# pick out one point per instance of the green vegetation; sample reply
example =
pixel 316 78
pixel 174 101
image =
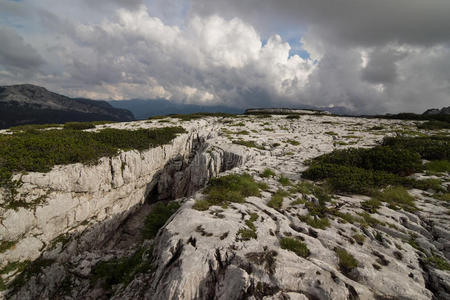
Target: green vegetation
pixel 6 245
pixel 315 221
pixel 34 127
pixel 434 125
pixel 28 270
pixel 295 246
pixel 331 133
pixel 438 262
pixel 293 142
pixel 377 128
pixel 346 261
pixel 158 217
pixel 250 144
pixel 122 270
pixel 284 181
pixel 396 197
pixel 293 116
pixel 39 151
pixel 267 173
pixel 79 125
pixel 365 170
pixel 226 189
pixel 250 232
pixel 359 238
pixel 304 187
pixel 371 205
pixel 277 199
pixel 438 166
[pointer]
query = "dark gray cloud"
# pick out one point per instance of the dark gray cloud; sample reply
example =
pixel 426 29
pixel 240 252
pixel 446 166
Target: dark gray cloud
pixel 369 56
pixel 361 22
pixel 15 53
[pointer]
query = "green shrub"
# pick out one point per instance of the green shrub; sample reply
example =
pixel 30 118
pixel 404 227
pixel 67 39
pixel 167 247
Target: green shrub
pixel 250 144
pixel 371 205
pixel 438 166
pixel 247 234
pixel 267 173
pixel 351 179
pixel 79 125
pixel 6 245
pixel 438 262
pixel 34 127
pixel 293 116
pixel 434 125
pixel 39 151
pixel 430 148
pixel 122 270
pixel 304 187
pixel 158 217
pixel 293 142
pixel 396 197
pixel 295 246
pixel 359 238
pixel 229 188
pixel 387 159
pixel 346 261
pixel 315 221
pixel 276 200
pixel 284 181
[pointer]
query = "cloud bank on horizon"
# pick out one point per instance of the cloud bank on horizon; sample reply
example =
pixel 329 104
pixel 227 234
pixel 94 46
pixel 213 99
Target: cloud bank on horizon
pixel 368 56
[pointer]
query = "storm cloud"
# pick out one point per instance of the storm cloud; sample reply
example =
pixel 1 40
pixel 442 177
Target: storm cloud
pixel 368 56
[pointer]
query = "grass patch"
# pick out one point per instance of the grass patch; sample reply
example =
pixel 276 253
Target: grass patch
pixel 295 246
pixel 39 151
pixel 267 173
pixel 292 116
pixel 284 181
pixel 438 166
pixel 249 233
pixel 438 262
pixel 158 217
pixel 359 238
pixel 122 270
pixel 434 125
pixel 229 188
pixel 293 142
pixel 250 144
pixel 6 245
pixel 315 221
pixel 79 125
pixel 276 200
pixel 371 206
pixel 347 262
pixel 396 197
pixel 34 127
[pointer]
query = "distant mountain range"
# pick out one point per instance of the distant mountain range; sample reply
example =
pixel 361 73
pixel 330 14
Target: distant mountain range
pixel 142 109
pixel 30 104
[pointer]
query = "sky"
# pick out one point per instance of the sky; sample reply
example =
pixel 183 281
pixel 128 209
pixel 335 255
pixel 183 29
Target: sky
pixel 367 56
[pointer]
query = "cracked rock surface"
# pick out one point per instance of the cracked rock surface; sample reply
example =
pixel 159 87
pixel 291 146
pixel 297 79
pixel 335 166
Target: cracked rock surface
pixel 201 254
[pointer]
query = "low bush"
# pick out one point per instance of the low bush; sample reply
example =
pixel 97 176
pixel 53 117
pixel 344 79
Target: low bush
pixel 315 221
pixel 295 246
pixel 250 232
pixel 277 199
pixel 359 238
pixel 79 125
pixel 229 188
pixel 397 197
pixel 267 173
pixel 430 147
pixel 284 181
pixel 434 125
pixel 39 151
pixel 158 217
pixel 438 166
pixel 293 116
pixel 122 270
pixel 371 206
pixel 387 159
pixel 250 144
pixel 346 261
pixel 438 262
